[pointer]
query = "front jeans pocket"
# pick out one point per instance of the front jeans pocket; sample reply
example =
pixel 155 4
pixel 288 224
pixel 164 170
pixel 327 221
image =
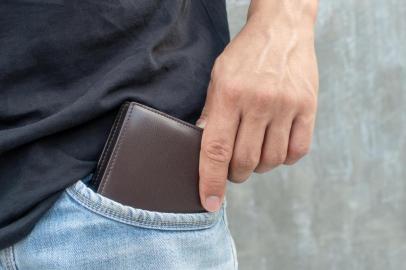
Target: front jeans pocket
pixel 114 210
pixel 85 230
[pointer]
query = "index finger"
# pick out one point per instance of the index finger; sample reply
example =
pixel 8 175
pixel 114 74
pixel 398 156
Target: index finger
pixel 216 151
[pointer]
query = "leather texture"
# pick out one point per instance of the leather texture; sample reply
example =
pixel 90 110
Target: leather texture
pixel 151 161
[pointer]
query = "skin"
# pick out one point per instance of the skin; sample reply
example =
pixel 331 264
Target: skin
pixel 262 97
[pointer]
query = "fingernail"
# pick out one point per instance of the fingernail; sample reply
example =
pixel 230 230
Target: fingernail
pixel 213 203
pixel 200 123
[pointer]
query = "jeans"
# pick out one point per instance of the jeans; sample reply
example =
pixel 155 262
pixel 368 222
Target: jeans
pixel 85 230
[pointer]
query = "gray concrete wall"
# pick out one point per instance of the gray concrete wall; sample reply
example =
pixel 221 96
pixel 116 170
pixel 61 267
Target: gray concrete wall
pixel 344 205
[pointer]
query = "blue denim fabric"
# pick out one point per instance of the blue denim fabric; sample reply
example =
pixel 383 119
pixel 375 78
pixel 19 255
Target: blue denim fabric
pixel 85 230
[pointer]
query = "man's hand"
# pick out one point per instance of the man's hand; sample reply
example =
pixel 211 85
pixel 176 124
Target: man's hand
pixel 262 98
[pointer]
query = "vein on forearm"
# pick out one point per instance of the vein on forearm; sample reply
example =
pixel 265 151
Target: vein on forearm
pixel 284 13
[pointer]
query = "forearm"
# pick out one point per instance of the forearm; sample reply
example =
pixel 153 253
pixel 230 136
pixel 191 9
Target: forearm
pixel 283 14
pixel 281 29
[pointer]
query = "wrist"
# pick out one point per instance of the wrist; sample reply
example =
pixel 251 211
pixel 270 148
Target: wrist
pixel 278 32
pixel 284 15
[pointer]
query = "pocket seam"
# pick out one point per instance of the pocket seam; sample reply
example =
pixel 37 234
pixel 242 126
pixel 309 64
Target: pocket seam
pixel 143 218
pixel 230 240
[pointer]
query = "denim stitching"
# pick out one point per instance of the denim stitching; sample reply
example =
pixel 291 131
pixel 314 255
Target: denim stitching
pixel 150 222
pixel 13 258
pixel 9 259
pixel 117 213
pixel 9 264
pixel 3 258
pixel 155 224
pixel 148 218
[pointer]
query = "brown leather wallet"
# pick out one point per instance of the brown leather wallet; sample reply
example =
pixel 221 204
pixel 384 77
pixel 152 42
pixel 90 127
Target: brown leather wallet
pixel 150 161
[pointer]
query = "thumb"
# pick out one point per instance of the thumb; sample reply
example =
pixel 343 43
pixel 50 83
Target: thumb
pixel 201 122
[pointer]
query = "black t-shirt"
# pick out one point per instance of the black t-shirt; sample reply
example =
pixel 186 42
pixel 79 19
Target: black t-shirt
pixel 65 69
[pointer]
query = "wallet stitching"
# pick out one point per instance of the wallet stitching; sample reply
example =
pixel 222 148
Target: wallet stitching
pixel 169 117
pixel 120 141
pixel 110 143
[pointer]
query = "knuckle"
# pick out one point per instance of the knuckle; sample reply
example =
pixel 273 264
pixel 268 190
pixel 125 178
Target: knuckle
pixel 279 159
pixel 217 151
pixel 288 102
pixel 284 101
pixel 262 168
pixel 298 151
pixel 231 92
pixel 212 185
pixel 213 182
pixel 238 179
pixel 274 159
pixel 263 99
pixel 308 103
pixel 245 163
pixel 288 99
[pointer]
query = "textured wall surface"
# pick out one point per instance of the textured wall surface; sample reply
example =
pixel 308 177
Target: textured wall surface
pixel 344 205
